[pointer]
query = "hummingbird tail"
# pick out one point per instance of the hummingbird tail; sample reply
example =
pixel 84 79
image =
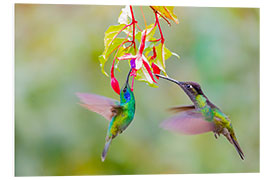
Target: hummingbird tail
pixel 237 146
pixel 105 150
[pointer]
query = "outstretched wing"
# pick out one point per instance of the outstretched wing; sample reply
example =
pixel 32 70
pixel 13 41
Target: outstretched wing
pixel 188 122
pixel 102 105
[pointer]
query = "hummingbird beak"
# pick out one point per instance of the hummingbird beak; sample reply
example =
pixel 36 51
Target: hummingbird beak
pixel 128 77
pixel 181 84
pixel 169 79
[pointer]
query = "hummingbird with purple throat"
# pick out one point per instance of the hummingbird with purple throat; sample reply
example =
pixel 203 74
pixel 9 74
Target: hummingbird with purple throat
pixel 120 114
pixel 203 116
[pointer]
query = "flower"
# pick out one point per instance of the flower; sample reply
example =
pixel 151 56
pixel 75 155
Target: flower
pixel 114 82
pixel 139 60
pixel 156 69
pixel 115 85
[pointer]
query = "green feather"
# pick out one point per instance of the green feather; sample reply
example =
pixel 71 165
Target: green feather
pixel 121 121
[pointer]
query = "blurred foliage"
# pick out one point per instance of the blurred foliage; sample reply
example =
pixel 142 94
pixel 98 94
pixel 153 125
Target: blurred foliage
pixel 56 55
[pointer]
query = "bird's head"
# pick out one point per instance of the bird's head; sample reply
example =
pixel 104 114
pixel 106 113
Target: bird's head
pixel 126 94
pixel 191 88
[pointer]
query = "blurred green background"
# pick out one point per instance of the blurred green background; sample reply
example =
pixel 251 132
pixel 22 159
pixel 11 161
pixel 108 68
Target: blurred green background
pixel 56 55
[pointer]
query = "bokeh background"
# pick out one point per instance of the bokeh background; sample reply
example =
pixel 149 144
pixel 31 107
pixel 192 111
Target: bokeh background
pixel 56 55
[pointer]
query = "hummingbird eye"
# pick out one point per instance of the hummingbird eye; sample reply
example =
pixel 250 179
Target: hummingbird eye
pixel 188 86
pixel 124 90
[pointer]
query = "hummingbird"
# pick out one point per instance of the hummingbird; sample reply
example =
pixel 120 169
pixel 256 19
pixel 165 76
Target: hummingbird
pixel 120 114
pixel 203 116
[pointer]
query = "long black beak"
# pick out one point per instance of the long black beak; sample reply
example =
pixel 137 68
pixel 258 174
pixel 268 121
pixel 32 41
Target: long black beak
pixel 170 79
pixel 128 76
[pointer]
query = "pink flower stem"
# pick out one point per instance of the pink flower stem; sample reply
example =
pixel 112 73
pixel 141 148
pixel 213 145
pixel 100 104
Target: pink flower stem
pixel 160 31
pixel 138 27
pixel 132 83
pixel 156 40
pixel 133 22
pixel 156 12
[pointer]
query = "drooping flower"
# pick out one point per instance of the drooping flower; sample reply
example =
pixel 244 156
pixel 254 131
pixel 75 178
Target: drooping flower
pixel 114 82
pixel 155 68
pixel 115 85
pixel 139 60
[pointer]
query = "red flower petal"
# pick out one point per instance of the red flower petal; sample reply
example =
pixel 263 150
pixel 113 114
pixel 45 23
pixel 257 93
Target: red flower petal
pixel 154 53
pixel 142 45
pixel 133 72
pixel 114 82
pixel 115 85
pixel 148 70
pixel 155 69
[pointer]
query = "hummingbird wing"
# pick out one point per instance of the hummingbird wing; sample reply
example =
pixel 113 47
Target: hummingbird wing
pixel 104 106
pixel 188 122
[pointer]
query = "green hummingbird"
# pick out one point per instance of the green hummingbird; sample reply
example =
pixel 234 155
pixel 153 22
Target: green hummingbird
pixel 120 114
pixel 203 116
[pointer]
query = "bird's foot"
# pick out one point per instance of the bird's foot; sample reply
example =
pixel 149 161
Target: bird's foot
pixel 216 135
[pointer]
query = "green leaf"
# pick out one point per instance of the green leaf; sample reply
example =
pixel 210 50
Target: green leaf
pixel 130 50
pixel 111 34
pixel 102 62
pixel 148 48
pixel 105 55
pixel 138 36
pixel 115 43
pixel 110 43
pixel 122 51
pixel 166 11
pixel 163 54
pixel 151 30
